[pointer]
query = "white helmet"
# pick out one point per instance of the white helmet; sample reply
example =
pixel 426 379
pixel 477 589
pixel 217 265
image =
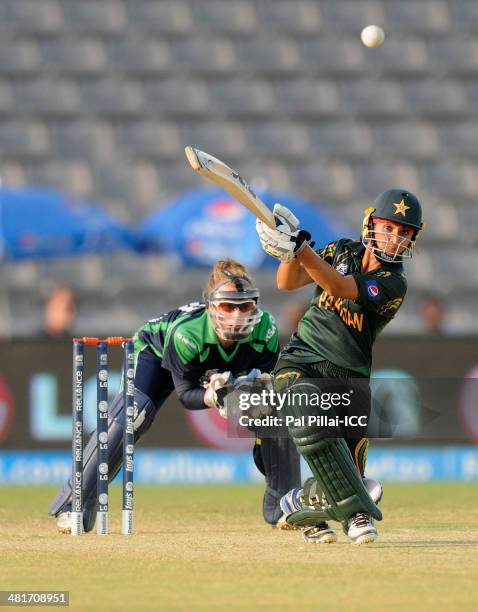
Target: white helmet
pixel 234 314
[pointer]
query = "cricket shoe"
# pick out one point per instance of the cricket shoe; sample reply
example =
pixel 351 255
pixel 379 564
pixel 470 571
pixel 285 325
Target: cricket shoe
pixel 360 529
pixel 63 522
pixel 319 534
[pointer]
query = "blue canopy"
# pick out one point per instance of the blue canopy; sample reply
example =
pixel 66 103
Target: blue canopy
pixel 204 225
pixel 44 223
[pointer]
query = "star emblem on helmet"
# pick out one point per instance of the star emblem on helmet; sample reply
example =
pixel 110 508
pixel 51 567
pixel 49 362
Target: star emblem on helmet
pixel 401 208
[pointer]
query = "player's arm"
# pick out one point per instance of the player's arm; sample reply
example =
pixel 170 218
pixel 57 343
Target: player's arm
pixel 292 276
pixel 327 277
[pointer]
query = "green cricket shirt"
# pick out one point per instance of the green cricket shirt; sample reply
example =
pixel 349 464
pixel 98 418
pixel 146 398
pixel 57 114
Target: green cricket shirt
pixel 343 331
pixel 187 346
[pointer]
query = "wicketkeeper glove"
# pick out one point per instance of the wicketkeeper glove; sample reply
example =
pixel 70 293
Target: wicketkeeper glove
pixel 216 390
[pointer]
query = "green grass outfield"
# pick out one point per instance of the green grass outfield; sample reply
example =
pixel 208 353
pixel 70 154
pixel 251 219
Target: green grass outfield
pixel 206 548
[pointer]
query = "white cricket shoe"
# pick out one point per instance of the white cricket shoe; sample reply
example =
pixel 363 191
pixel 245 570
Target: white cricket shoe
pixel 319 534
pixel 64 522
pixel 360 529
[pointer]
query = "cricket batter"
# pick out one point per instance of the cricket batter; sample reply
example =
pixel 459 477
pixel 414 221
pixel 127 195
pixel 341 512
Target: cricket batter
pixel 196 350
pixel 359 286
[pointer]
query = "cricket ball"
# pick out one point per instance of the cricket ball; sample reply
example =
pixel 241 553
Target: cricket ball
pixel 372 36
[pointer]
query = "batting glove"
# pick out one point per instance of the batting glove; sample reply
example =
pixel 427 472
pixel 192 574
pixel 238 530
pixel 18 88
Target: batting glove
pixel 287 222
pixel 276 243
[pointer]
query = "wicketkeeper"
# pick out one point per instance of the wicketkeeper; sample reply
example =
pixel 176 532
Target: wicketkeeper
pixel 359 287
pixel 198 350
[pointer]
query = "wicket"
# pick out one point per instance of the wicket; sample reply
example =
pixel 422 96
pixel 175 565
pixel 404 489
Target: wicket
pixel 102 433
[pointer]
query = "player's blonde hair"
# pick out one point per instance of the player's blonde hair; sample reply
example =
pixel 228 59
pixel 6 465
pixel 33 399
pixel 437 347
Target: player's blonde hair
pixel 224 270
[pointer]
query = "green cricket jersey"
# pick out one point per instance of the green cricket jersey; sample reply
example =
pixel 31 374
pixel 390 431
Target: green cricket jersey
pixel 187 346
pixel 343 331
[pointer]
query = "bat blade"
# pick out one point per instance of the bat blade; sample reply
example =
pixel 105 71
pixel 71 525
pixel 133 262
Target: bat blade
pixel 231 181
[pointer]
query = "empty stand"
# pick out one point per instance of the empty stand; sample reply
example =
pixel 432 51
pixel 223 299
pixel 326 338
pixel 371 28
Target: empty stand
pixel 99 97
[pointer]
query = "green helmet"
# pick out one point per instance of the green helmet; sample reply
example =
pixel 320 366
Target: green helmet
pixel 400 206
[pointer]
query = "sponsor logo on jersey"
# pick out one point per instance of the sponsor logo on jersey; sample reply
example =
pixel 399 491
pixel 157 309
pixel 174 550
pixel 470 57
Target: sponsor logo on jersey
pixel 272 329
pixel 185 340
pixel 372 289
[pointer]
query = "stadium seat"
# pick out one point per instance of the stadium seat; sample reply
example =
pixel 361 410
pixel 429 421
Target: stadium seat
pixel 25 139
pixel 168 18
pixel 72 176
pixel 107 17
pixel 463 15
pixel 78 57
pixel 241 98
pixel 202 56
pixel 373 98
pixel 176 97
pixel 271 55
pixel 447 178
pixel 435 98
pixel 84 139
pixel 173 174
pixel 32 17
pixel 139 57
pixel 343 139
pixel 425 16
pixel 459 138
pixel 238 17
pixel 150 139
pixel 19 58
pixel 373 178
pixel 224 139
pixel 306 98
pixel 54 97
pixel 393 139
pixel 301 18
pixel 330 55
pixel 401 56
pixel 453 56
pixel 324 180
pixel 350 15
pixel 279 139
pixel 112 96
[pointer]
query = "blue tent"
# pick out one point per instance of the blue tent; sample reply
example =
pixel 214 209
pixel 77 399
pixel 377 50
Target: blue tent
pixel 45 223
pixel 204 225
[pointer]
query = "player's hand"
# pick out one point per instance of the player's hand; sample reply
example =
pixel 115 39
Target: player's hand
pixel 288 224
pixel 275 242
pixel 215 389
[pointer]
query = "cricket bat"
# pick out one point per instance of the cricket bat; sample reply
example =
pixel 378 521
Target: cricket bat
pixel 231 181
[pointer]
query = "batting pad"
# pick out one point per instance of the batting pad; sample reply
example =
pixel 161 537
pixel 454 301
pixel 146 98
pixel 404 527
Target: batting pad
pixel 333 467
